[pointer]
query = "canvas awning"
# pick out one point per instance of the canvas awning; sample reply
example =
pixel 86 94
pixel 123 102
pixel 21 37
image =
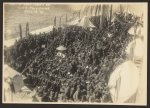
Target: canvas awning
pixel 85 23
pixel 139 31
pixel 138 48
pixel 16 77
pixel 74 22
pixel 10 42
pixel 9 72
pixel 43 30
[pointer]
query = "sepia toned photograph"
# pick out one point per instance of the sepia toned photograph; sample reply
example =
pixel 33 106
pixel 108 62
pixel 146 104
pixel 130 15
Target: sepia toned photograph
pixel 75 53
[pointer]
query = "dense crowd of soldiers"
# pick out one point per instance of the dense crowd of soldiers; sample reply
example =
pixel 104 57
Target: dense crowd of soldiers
pixel 81 75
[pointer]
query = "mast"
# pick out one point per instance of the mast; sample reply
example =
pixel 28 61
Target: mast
pixel 79 14
pixel 66 19
pixel 110 14
pixel 121 10
pixel 55 21
pixel 20 29
pixel 99 9
pixel 86 12
pixel 91 10
pixel 60 22
pixel 96 10
pixel 27 29
pixel 101 17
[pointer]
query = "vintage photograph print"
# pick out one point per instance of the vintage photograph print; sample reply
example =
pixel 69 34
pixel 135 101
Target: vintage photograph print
pixel 75 53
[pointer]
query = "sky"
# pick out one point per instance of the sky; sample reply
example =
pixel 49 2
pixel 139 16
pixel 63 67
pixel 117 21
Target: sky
pixel 42 15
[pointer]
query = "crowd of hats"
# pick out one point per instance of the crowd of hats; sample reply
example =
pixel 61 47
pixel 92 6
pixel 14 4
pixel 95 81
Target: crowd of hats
pixel 82 75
